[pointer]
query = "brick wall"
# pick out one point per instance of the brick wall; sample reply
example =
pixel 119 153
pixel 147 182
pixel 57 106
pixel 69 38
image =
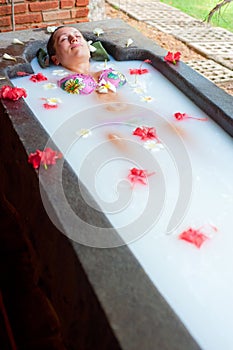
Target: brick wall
pixel 40 14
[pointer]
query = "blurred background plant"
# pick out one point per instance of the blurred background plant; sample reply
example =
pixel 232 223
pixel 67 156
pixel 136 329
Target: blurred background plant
pixel 217 13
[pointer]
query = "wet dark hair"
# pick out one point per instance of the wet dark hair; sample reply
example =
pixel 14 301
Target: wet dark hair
pixel 50 45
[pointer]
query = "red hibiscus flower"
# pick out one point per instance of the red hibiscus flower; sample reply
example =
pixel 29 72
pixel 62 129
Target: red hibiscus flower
pixel 12 93
pixel 35 159
pixel 140 70
pixel 194 236
pixel 172 57
pixel 36 78
pixel 46 157
pixel 138 175
pixel 49 106
pixel 181 116
pixel 145 132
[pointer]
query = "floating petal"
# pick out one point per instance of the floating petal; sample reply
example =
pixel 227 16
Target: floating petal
pixel 84 133
pixel 8 57
pixel 153 145
pixel 50 86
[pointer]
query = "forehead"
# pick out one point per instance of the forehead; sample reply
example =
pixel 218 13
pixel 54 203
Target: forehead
pixel 65 31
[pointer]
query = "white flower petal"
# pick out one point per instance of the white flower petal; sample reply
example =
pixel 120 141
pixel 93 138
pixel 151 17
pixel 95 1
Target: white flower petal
pixel 91 47
pixel 51 29
pixel 8 57
pixel 53 100
pixel 50 86
pixel 129 42
pixel 98 31
pixel 147 99
pixel 153 145
pixel 59 72
pixel 84 133
pixel 102 90
pixel 17 41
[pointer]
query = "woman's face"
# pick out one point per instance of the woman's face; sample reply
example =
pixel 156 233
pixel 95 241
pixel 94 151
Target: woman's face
pixel 69 45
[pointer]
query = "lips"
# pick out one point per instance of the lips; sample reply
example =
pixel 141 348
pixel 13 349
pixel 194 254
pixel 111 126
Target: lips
pixel 75 45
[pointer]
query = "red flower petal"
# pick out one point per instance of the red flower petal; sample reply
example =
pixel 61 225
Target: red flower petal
pixel 22 74
pixel 145 132
pixel 35 159
pixel 138 71
pixel 36 78
pixel 182 116
pixel 172 57
pixel 12 93
pixel 137 175
pixel 177 56
pixel 48 106
pixel 194 236
pixel 46 157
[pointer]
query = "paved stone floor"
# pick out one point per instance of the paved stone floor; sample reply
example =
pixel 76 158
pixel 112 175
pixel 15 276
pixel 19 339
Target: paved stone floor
pixel 214 43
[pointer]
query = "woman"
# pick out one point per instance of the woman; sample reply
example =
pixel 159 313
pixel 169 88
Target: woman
pixel 67 47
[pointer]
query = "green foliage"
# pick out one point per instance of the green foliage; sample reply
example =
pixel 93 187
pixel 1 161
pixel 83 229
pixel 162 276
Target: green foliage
pixel 200 9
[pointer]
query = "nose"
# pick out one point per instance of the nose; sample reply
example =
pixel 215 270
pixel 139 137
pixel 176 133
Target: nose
pixel 72 38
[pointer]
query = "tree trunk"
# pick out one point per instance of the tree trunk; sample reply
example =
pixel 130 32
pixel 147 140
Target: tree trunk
pixel 217 8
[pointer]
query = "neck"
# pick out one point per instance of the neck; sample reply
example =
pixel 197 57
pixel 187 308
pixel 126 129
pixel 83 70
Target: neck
pixel 82 68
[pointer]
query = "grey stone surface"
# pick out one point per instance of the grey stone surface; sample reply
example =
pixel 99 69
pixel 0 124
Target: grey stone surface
pixel 136 313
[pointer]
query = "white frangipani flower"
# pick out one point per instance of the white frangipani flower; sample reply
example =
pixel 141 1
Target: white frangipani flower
pixel 50 86
pixel 59 72
pixel 129 42
pixel 98 31
pixel 8 57
pixel 17 41
pixel 91 47
pixel 104 86
pixel 153 145
pixel 146 98
pixel 51 29
pixel 52 101
pixel 84 133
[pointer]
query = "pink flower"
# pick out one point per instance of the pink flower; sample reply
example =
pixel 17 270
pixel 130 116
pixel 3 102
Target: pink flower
pixel 172 57
pixel 46 157
pixel 12 93
pixel 36 78
pixel 145 132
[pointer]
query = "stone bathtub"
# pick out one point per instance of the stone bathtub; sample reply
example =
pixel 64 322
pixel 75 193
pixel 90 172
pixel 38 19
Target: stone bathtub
pixel 91 298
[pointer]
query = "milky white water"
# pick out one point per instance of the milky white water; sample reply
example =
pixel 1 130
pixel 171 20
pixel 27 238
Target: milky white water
pixel 194 165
